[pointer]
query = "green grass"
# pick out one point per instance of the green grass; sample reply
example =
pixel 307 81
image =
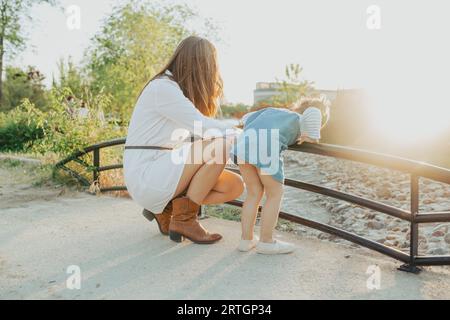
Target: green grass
pixel 22 172
pixel 228 212
pixel 10 163
pixel 38 175
pixel 225 212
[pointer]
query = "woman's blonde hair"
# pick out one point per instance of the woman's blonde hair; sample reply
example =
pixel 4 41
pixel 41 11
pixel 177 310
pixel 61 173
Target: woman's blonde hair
pixel 194 67
pixel 320 102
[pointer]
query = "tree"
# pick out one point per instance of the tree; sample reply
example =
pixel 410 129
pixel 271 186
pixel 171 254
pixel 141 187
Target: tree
pixel 23 84
pixel 133 45
pixel 289 90
pixel 293 87
pixel 70 76
pixel 12 38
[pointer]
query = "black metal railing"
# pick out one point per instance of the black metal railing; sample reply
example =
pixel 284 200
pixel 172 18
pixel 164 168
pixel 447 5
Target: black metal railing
pixel 415 169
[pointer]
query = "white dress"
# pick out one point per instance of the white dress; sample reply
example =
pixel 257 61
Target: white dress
pixel 163 117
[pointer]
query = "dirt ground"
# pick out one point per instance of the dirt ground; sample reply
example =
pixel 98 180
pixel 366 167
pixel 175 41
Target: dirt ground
pixel 46 230
pixel 23 183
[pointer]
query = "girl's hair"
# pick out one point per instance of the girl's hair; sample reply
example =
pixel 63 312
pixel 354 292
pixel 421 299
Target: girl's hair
pixel 320 102
pixel 194 67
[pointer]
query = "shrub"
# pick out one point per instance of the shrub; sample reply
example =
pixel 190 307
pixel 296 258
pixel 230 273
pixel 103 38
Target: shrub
pixel 21 127
pixel 58 131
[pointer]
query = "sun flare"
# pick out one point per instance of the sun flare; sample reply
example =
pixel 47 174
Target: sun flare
pixel 410 121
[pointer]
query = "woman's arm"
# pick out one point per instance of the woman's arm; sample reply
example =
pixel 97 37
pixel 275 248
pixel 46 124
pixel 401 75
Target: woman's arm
pixel 172 104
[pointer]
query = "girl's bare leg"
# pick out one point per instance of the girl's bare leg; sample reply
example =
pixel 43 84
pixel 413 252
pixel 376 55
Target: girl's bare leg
pixel 271 210
pixel 255 191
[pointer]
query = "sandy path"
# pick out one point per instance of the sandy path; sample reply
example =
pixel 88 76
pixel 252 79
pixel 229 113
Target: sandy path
pixel 43 231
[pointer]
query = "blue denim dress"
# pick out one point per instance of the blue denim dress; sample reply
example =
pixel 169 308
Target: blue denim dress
pixel 267 133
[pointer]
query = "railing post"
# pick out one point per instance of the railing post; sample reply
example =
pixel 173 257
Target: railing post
pixel 96 164
pixel 414 232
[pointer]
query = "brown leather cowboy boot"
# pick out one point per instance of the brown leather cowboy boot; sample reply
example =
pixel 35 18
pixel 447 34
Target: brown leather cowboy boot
pixel 163 219
pixel 184 223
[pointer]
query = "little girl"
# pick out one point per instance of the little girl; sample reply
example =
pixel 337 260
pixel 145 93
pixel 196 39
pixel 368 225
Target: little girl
pixel 267 133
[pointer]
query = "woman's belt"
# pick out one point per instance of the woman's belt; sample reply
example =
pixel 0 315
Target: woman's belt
pixel 192 139
pixel 147 148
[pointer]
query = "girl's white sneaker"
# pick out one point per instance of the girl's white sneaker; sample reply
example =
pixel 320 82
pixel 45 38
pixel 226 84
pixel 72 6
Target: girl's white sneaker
pixel 247 245
pixel 276 247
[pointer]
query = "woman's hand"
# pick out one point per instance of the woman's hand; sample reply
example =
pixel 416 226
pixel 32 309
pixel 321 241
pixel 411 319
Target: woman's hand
pixel 238 130
pixel 304 138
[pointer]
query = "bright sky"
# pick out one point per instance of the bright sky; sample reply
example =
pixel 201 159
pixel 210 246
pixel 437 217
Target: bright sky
pixel 406 61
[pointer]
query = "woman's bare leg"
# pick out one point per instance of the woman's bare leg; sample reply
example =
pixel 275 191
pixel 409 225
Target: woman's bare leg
pixel 204 178
pixel 271 210
pixel 228 187
pixel 255 192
